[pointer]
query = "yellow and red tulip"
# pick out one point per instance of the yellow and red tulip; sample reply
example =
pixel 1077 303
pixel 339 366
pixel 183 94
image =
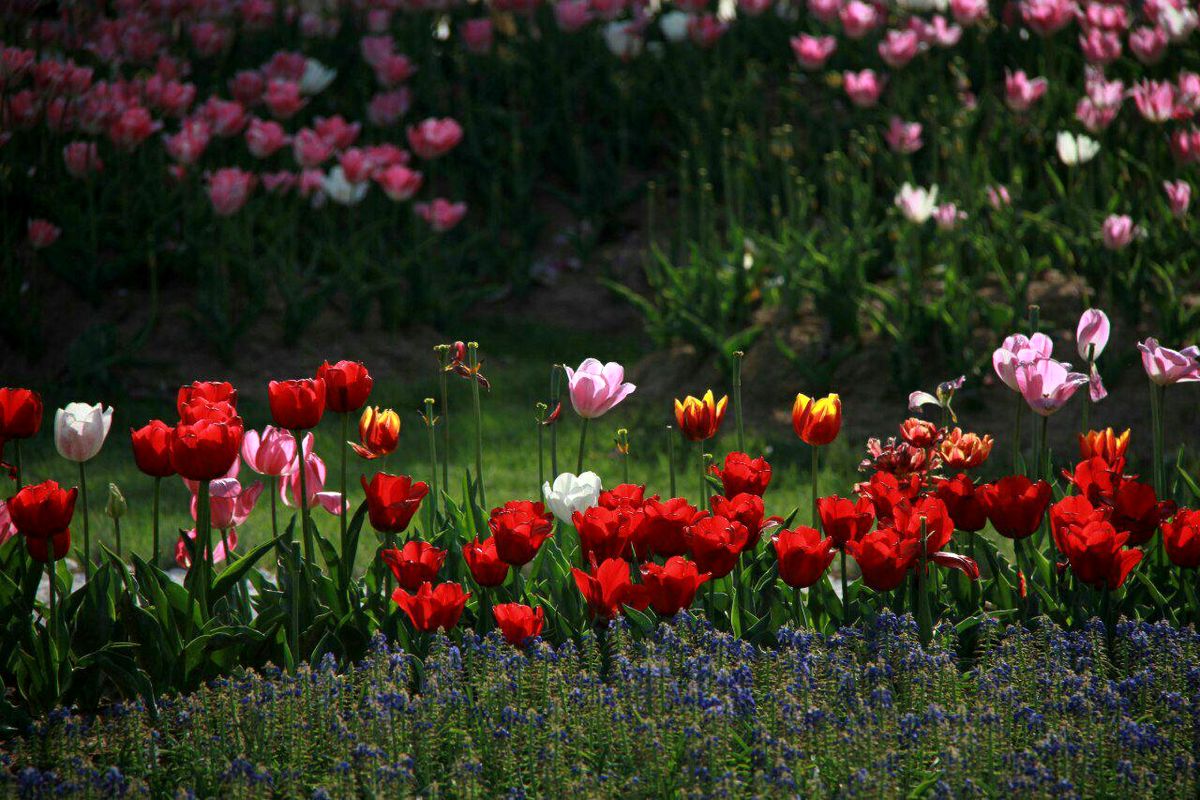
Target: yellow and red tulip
pixel 378 432
pixel 817 422
pixel 700 418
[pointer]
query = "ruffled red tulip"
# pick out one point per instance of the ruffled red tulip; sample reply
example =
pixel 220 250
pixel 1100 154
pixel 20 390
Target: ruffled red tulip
pixel 487 569
pixel 393 500
pixel 413 564
pixel 433 608
pixel 919 432
pixel 604 533
pixel 700 418
pixel 715 544
pixel 1181 537
pixel 519 623
pixel 672 586
pixel 297 404
pixel 803 555
pixel 1137 510
pixel 210 391
pixel 1105 444
pixel 20 413
pixel 623 496
pixel 665 523
pixel 608 587
pixel 152 448
pixel 205 450
pixel 962 501
pixel 817 422
pixel 42 514
pixel 1096 554
pixel 885 557
pixel 748 510
pixel 845 520
pixel 1072 512
pixel 886 491
pixel 199 408
pixel 743 474
pixel 519 528
pixel 1015 505
pixel 347 385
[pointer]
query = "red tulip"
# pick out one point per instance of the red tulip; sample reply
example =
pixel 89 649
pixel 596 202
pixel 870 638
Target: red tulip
pixel 518 623
pixel 665 523
pixel 608 587
pixel 1072 512
pixel 210 391
pixel 623 496
pixel 433 608
pixel 42 514
pixel 1015 505
pixel 484 562
pixel 1136 509
pixel 297 404
pixel 962 501
pixel 152 448
pixel 206 449
pixel 919 432
pixel 1107 445
pixel 845 520
pixel 715 544
pixel 199 408
pixel 743 474
pixel 347 385
pixel 519 528
pixel 929 512
pixel 604 533
pixel 393 500
pixel 886 491
pixel 884 557
pixel 748 510
pixel 1097 554
pixel 672 586
pixel 1181 537
pixel 415 563
pixel 1095 479
pixel 803 555
pixel 20 413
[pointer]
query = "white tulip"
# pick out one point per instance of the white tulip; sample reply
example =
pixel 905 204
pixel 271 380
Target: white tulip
pixel 80 430
pixel 623 39
pixel 917 203
pixel 343 191
pixel 571 493
pixel 674 25
pixel 1076 149
pixel 316 78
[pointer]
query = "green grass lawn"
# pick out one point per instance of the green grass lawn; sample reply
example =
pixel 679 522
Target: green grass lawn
pixel 517 362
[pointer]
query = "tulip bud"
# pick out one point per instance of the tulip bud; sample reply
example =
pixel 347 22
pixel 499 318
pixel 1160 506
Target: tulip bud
pixel 116 506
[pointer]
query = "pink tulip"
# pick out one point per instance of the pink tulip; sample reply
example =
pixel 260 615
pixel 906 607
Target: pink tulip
pixel 432 138
pixel 1117 231
pixel 42 233
pixel 705 29
pixel 947 216
pixel 899 47
pixel 1020 93
pixel 1105 17
pixel 441 214
pixel 189 144
pixel 863 88
pixel 386 108
pixel 609 10
pixel 273 452
pixel 754 8
pixel 859 18
pixel 229 189
pixel 572 16
pixel 1047 384
pixel 903 137
pixel 1148 44
pixel 132 127
pixel 7 528
pixel 278 183
pixel 286 66
pixel 265 137
pixel 1185 145
pixel 1188 87
pixel 82 159
pixel 969 12
pixel 393 69
pixel 998 196
pixel 356 165
pixel 1100 46
pixel 477 35
pixel 1091 334
pixel 1093 117
pixel 1165 366
pixel 247 87
pixel 310 149
pixel 813 51
pixel 375 48
pixel 1179 197
pixel 1104 93
pixel 825 10
pixel 1016 349
pixel 283 98
pixel 183 558
pixel 1096 390
pixel 335 130
pixel 230 505
pixel 1046 17
pixel 940 33
pixel 227 117
pixel 209 39
pixel 597 388
pixel 1155 100
pixel 314 476
pixel 399 182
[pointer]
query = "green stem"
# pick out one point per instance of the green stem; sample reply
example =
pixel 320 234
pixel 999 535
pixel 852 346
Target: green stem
pixel 702 503
pixel 17 464
pixel 671 458
pixel 1043 447
pixel 583 429
pixel 737 400
pixel 541 435
pixel 845 591
pixel 203 541
pixel 343 567
pixel 924 617
pixel 302 500
pixel 52 622
pixel 157 492
pixel 1016 452
pixel 445 435
pixel 473 351
pixel 816 457
pixel 87 532
pixel 433 463
pixel 555 379
pixel 117 535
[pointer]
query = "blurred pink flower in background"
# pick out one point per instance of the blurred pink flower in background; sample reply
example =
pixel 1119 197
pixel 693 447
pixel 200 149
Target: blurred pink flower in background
pixel 399 182
pixel 42 233
pixel 229 189
pixel 899 47
pixel 1021 92
pixel 859 18
pixel 432 138
pixel 813 51
pixel 477 35
pixel 440 213
pixel 572 16
pixel 1118 231
pixel 265 137
pixel 863 88
pixel 1179 197
pixel 903 137
pixel 1148 45
pixel 82 159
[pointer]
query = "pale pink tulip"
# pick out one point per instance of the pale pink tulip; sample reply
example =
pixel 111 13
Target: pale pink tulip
pixel 314 476
pixel 572 16
pixel 273 452
pixel 265 137
pixel 969 12
pixel 310 148
pixel 1046 17
pixel 477 35
pixel 1047 384
pixel 82 159
pixel 229 189
pixel 596 388
pixel 1020 92
pixel 1155 100
pixel 386 108
pixel 189 144
pixel 863 88
pixel 1179 197
pixel 432 138
pixel 998 196
pixel 230 504
pixel 42 233
pixel 1016 349
pixel 1091 334
pixel 335 130
pixel 859 18
pixel 825 10
pixel 440 213
pixel 813 51
pixel 947 216
pixel 903 137
pixel 1165 366
pixel 1100 47
pixel 1118 231
pixel 1148 44
pixel 399 182
pixel 7 528
pixel 899 47
pixel 183 558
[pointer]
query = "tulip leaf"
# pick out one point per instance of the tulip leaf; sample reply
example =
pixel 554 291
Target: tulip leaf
pixel 233 574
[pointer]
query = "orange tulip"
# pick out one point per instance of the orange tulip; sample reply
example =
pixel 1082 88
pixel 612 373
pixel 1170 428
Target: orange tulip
pixel 1105 444
pixel 817 422
pixel 379 432
pixel 965 450
pixel 699 419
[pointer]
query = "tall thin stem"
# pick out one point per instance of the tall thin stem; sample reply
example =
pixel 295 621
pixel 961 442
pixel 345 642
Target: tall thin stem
pixel 671 459
pixel 17 464
pixel 157 493
pixel 555 383
pixel 473 354
pixel 702 503
pixel 816 466
pixel 583 429
pixel 737 399
pixel 204 543
pixel 87 532
pixel 433 464
pixel 343 567
pixel 1016 448
pixel 52 622
pixel 445 429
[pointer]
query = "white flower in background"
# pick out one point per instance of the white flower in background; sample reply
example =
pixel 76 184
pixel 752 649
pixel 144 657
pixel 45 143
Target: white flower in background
pixel 80 430
pixel 917 203
pixel 623 39
pixel 1076 149
pixel 343 191
pixel 923 5
pixel 316 78
pixel 674 25
pixel 571 493
pixel 1177 22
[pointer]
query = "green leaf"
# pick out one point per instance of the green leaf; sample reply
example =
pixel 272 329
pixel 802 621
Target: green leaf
pixel 234 572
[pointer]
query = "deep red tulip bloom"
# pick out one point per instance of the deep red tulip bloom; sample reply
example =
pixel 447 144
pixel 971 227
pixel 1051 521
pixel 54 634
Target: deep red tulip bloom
pixel 918 432
pixel 393 500
pixel 608 587
pixel 206 449
pixel 42 510
pixel 845 520
pixel 672 586
pixel 962 501
pixel 885 557
pixel 886 491
pixel 931 512
pixel 1015 505
pixel 605 533
pixel 347 385
pixel 209 391
pixel 1181 536
pixel 715 544
pixel 152 448
pixel 743 474
pixel 623 496
pixel 414 563
pixel 803 555
pixel 748 510
pixel 44 549
pixel 199 408
pixel 297 405
pixel 1095 479
pixel 519 528
pixel 20 413
pixel 519 623
pixel 665 523
pixel 1097 555
pixel 433 608
pixel 1137 510
pixel 487 569
pixel 1072 512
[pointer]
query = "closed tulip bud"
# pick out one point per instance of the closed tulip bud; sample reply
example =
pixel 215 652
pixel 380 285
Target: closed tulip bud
pixel 80 430
pixel 116 506
pixel 803 556
pixel 571 494
pixel 700 418
pixel 152 448
pixel 20 413
pixel 484 562
pixel 415 563
pixel 672 586
pixel 817 422
pixel 519 623
pixel 392 501
pixel 297 404
pixel 347 385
